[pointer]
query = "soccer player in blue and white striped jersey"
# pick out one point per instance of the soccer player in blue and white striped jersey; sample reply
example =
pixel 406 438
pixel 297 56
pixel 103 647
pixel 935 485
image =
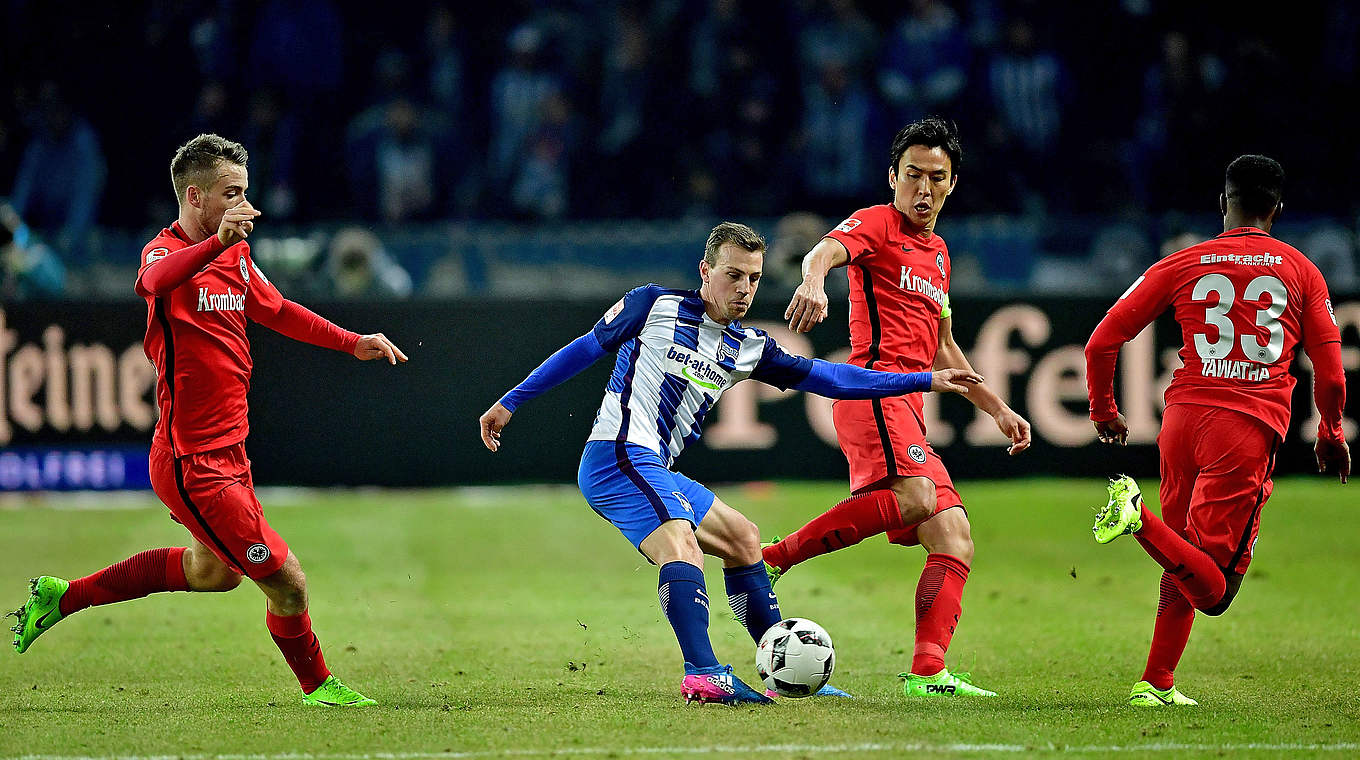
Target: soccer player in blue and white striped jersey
pixel 677 351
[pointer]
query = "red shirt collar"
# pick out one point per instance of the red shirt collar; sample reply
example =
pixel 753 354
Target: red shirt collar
pixel 1239 231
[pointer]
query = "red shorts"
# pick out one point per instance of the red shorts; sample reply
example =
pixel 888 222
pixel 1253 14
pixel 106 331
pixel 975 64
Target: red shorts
pixel 211 493
pixel 1216 466
pixel 887 437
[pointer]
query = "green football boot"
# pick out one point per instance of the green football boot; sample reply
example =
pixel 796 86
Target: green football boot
pixel 1122 514
pixel 942 684
pixel 41 610
pixel 773 572
pixel 1145 694
pixel 334 693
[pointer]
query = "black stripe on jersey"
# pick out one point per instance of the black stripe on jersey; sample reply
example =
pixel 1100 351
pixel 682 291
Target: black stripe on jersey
pixel 1256 510
pixel 169 371
pixel 1243 234
pixel 884 439
pixel 875 327
pixel 875 339
pixel 184 495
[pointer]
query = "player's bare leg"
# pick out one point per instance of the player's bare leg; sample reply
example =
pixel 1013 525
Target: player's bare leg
pixel 674 546
pixel 203 571
pixel 291 628
pixel 728 535
pixel 893 503
pixel 948 541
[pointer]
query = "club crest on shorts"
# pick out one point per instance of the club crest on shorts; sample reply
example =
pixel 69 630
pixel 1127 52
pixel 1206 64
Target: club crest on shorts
pixel 257 553
pixel 917 454
pixel 939 262
pixel 245 271
pixel 684 503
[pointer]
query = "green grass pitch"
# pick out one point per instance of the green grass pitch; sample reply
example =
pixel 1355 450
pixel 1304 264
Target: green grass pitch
pixel 515 623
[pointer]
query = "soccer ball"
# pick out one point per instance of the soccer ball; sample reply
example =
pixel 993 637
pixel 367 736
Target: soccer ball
pixel 795 657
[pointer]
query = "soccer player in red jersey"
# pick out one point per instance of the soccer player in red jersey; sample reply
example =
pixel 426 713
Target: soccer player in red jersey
pixel 1246 303
pixel 201 287
pixel 900 321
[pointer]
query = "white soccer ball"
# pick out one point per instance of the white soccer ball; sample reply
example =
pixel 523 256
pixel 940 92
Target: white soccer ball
pixel 795 657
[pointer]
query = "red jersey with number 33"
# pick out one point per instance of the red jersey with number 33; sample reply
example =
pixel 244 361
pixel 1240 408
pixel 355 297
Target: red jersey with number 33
pixel 899 291
pixel 196 337
pixel 1245 303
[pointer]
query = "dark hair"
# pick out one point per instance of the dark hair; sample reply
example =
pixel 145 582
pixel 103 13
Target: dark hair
pixel 732 232
pixel 196 160
pixel 1255 183
pixel 932 132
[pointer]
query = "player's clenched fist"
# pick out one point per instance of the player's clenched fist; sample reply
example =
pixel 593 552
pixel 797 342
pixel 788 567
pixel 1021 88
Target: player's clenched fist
pixel 377 346
pixel 492 422
pixel 237 223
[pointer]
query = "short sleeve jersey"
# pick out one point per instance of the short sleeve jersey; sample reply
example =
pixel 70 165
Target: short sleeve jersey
pixel 899 290
pixel 196 338
pixel 1245 303
pixel 673 363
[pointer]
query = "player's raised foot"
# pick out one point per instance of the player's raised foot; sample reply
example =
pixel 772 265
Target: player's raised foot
pixel 334 693
pixel 717 684
pixel 41 610
pixel 773 572
pixel 1145 694
pixel 1122 514
pixel 942 684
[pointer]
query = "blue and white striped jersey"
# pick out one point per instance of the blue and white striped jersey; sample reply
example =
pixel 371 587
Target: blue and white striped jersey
pixel 673 363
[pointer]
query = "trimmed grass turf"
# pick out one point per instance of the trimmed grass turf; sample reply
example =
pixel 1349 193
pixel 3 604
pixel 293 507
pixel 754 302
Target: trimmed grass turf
pixel 515 620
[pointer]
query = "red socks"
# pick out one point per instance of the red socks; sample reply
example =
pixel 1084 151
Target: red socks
pixel 293 636
pixel 1200 579
pixel 1169 635
pixel 939 602
pixel 845 524
pixel 133 578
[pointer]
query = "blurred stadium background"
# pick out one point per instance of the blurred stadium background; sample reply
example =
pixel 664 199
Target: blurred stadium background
pixel 480 183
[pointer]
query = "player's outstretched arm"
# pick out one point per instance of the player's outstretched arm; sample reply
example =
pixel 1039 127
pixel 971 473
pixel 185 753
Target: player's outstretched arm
pixel 809 303
pixel 847 381
pixel 563 365
pixel 1011 424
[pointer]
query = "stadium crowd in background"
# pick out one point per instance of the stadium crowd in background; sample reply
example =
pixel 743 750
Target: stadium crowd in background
pixel 552 111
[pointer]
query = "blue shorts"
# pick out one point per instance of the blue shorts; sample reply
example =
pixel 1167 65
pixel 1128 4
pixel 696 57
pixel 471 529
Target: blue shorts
pixel 630 486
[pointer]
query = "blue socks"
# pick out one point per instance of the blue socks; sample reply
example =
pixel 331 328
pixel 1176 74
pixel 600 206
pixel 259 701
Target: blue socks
pixel 683 599
pixel 752 599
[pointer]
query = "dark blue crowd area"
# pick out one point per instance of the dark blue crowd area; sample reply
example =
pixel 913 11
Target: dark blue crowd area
pixel 550 113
